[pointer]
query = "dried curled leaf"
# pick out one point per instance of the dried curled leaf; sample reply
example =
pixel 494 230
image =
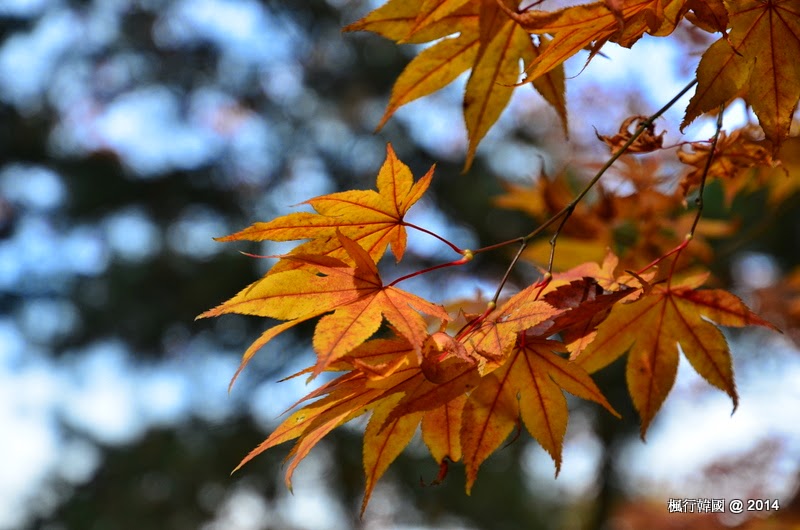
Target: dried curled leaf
pixel 734 159
pixel 646 142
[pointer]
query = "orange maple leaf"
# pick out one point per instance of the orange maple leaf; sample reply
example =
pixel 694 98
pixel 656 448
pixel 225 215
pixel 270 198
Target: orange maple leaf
pixel 494 74
pixel 356 297
pixel 388 431
pixel 653 326
pixel 757 60
pixel 491 337
pixel 488 41
pixel 348 398
pixel 384 441
pixel 441 430
pixel 530 384
pixel 434 68
pixel 574 28
pixel 373 219
pixel 345 398
pixel 416 21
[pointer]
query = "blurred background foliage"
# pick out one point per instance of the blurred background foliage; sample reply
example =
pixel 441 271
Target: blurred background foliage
pixel 132 132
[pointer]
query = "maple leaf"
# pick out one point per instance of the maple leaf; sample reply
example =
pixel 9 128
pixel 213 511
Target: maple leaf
pixel 356 297
pixel 347 399
pixel 652 327
pixel 709 15
pixel 384 441
pixel 529 385
pixel 551 85
pixel 758 60
pixel 577 27
pixel 587 304
pixel 341 400
pixel 455 378
pixel 646 142
pixel 388 431
pixel 441 430
pixel 503 42
pixel 733 159
pixel 373 219
pixel 493 335
pixel 416 21
pixel 488 42
pixel 433 68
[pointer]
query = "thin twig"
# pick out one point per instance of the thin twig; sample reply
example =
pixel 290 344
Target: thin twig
pixel 524 243
pixel 699 199
pixel 433 234
pixel 567 210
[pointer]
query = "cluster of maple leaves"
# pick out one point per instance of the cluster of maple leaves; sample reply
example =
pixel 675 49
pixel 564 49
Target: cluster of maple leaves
pixel 470 379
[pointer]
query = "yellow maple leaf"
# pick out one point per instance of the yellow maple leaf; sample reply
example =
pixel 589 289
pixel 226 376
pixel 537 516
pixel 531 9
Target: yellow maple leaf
pixel 356 297
pixel 416 21
pixel 372 219
pixel 494 74
pixel 432 69
pixel 384 441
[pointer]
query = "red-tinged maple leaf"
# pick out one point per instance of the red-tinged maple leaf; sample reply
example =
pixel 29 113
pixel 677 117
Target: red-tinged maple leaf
pixel 491 337
pixel 758 60
pixel 356 295
pixel 587 304
pixel 529 385
pixel 373 219
pixel 652 328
